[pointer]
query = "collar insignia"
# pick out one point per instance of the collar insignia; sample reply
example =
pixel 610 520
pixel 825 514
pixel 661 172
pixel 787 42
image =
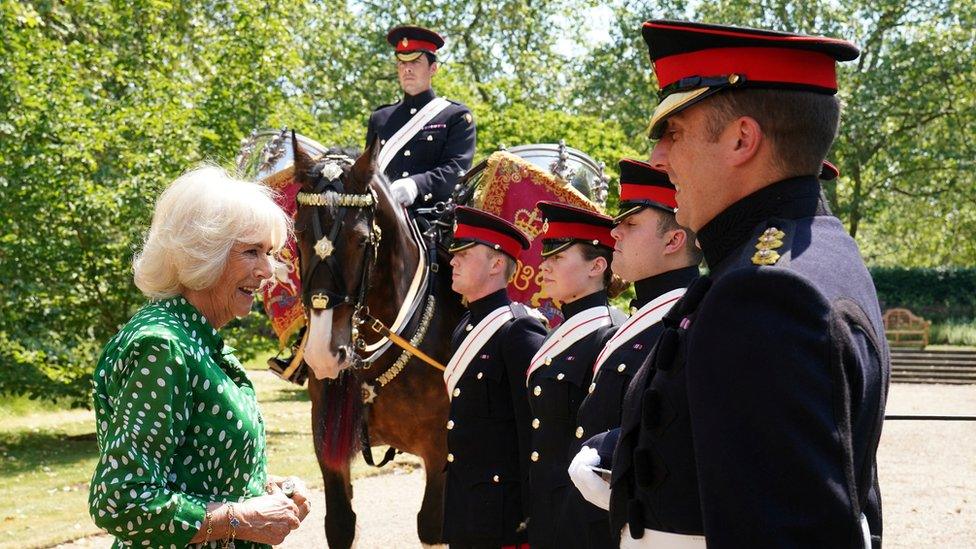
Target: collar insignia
pixel 769 241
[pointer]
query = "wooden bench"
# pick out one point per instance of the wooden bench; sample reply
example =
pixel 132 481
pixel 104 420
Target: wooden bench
pixel 904 329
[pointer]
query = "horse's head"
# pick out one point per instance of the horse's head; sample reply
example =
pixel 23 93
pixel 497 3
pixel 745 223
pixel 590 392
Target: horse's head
pixel 338 239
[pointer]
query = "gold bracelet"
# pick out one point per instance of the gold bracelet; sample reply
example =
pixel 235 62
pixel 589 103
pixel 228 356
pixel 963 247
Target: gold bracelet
pixel 209 519
pixel 234 523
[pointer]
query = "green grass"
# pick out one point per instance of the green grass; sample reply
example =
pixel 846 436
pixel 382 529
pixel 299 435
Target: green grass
pixel 47 456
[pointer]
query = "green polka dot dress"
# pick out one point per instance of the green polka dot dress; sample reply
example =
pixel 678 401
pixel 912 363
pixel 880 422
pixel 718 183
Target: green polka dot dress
pixel 178 426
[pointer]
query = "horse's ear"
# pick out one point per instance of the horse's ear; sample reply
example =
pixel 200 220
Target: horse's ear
pixel 362 169
pixel 303 165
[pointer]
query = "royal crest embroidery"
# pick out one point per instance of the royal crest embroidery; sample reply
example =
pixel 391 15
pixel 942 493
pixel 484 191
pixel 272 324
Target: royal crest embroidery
pixel 768 242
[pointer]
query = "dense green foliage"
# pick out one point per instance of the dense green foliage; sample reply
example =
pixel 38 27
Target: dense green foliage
pixel 935 294
pixel 103 102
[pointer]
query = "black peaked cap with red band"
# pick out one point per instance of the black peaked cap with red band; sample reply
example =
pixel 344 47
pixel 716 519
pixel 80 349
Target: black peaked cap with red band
pixel 643 186
pixel 410 42
pixel 478 227
pixel 828 172
pixel 566 225
pixel 694 60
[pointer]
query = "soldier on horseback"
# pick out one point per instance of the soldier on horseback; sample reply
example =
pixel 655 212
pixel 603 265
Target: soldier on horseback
pixel 426 142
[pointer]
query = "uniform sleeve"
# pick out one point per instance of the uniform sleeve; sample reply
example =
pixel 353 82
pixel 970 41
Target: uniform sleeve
pixel 769 453
pixel 370 131
pixel 456 158
pixel 150 401
pixel 522 340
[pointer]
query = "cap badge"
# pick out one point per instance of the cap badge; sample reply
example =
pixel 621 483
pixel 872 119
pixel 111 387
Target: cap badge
pixel 545 226
pixel 468 118
pixel 455 226
pixel 404 42
pixel 768 242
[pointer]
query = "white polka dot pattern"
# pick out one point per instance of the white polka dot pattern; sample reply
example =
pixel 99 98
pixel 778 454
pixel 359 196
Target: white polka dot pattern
pixel 178 425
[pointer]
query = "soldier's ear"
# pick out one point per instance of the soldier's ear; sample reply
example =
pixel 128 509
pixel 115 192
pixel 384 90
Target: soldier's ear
pixel 362 170
pixel 303 165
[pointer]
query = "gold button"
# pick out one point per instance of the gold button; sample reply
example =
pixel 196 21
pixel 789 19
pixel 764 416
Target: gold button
pixel 560 376
pixel 496 478
pixel 621 368
pixel 430 138
pixel 468 328
pixel 382 141
pixel 405 174
pixel 733 78
pixel 579 432
pixel 406 153
pixel 548 360
pixel 592 387
pixel 537 391
pixel 535 423
pixel 450 424
pixel 480 375
pixel 450 458
pixel 456 393
pixel 534 456
pixel 413 111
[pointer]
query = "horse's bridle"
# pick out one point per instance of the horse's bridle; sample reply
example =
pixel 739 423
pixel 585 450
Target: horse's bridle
pixel 330 193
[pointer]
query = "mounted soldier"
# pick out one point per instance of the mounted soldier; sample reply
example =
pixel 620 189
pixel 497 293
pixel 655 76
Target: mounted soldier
pixel 426 143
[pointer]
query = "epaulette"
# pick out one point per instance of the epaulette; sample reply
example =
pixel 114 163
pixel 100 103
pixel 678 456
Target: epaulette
pixel 521 311
pixel 385 105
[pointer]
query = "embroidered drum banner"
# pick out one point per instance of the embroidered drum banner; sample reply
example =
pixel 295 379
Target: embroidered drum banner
pixel 510 187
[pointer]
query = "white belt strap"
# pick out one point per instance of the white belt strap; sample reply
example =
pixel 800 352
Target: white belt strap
pixel 410 129
pixel 473 342
pixel 654 539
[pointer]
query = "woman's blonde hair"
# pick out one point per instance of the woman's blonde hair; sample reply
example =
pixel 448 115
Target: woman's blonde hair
pixel 197 221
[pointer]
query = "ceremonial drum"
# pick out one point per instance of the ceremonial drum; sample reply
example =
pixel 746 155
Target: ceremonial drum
pixel 510 182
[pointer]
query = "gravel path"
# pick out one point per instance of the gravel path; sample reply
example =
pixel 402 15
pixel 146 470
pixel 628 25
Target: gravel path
pixel 928 478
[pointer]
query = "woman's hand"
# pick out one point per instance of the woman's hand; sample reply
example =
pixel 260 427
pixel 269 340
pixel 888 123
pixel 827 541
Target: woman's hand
pixel 299 492
pixel 268 518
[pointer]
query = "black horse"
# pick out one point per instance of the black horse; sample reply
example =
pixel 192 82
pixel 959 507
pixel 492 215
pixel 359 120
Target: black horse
pixel 363 260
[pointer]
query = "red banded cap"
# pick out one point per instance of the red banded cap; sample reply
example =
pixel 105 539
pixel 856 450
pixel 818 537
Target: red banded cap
pixel 643 186
pixel 566 225
pixel 473 226
pixel 410 42
pixel 694 60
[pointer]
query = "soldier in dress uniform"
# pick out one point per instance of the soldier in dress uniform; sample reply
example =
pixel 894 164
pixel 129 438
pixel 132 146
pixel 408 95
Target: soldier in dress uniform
pixel 757 419
pixel 661 257
pixel 425 142
pixel 486 494
pixel 577 250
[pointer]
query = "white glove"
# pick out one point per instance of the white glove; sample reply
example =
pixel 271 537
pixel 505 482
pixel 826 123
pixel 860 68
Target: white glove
pixel 404 191
pixel 594 489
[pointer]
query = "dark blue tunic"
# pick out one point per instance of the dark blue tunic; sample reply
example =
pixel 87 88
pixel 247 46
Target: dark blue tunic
pixel 436 156
pixel 580 523
pixel 756 420
pixel 486 493
pixel 562 386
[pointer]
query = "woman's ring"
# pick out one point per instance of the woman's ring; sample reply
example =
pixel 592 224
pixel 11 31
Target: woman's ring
pixel 288 487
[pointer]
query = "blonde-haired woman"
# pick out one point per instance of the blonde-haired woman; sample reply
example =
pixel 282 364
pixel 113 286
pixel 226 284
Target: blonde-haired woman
pixel 180 436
